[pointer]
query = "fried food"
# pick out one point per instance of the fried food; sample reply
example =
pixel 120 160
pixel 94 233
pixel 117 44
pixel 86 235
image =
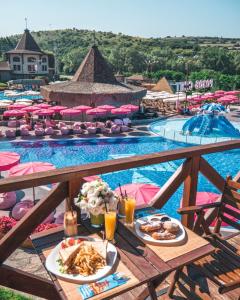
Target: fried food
pixel 149 227
pixel 163 235
pixel 84 260
pixel 171 227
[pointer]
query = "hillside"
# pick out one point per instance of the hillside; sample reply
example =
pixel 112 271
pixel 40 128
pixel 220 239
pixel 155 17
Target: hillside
pixel 155 56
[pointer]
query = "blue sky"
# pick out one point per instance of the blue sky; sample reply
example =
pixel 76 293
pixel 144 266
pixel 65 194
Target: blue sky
pixel 147 18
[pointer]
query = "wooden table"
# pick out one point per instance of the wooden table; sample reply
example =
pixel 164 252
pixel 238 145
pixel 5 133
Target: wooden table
pixel 144 264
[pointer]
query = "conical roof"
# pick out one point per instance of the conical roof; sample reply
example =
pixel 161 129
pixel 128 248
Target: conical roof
pixel 94 68
pixel 162 85
pixel 26 44
pixel 93 82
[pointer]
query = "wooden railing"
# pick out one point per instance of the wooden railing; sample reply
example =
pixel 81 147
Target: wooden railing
pixel 69 181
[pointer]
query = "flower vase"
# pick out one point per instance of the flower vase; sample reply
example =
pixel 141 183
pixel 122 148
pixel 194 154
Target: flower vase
pixel 97 220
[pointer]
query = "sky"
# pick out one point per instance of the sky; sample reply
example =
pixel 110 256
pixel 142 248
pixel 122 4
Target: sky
pixel 145 18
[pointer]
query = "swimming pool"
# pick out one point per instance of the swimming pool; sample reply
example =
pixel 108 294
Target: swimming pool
pixel 172 129
pixel 32 97
pixel 77 152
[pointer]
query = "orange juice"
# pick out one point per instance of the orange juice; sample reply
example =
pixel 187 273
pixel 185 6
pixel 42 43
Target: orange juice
pixel 121 208
pixel 130 204
pixel 70 223
pixel 110 224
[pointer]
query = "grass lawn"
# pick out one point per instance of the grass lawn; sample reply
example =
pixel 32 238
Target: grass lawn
pixel 6 294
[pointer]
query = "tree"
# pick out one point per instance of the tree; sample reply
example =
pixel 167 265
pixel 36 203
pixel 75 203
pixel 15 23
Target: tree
pixel 135 60
pixel 73 59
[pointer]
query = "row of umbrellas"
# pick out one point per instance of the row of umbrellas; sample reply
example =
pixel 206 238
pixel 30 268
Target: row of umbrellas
pixel 18 110
pixel 220 96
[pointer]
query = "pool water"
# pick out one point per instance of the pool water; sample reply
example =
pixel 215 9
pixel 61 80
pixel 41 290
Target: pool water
pixel 172 129
pixel 82 151
pixel 31 97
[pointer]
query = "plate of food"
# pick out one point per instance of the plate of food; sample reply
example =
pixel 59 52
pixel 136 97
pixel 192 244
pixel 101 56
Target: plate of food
pixel 82 259
pixel 160 229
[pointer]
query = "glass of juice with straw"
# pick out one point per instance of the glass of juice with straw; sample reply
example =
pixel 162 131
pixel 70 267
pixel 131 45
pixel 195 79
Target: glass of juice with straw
pixel 110 224
pixel 130 204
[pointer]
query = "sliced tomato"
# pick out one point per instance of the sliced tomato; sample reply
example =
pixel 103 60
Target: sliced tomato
pixel 71 242
pixel 63 245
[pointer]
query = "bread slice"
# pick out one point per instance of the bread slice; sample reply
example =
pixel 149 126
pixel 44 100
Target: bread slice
pixel 99 246
pixel 67 254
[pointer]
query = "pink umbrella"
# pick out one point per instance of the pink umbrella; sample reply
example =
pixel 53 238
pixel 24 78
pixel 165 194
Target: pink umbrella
pixel 206 198
pixel 106 107
pixel 82 108
pixel 232 93
pixel 16 106
pixel 70 112
pixel 58 108
pixel 8 160
pixel 91 178
pixel 14 113
pixel 143 193
pixel 42 105
pixel 30 168
pixel 120 111
pixel 219 92
pixel 44 112
pixel 130 107
pixel 96 112
pixel 228 99
pixel 30 109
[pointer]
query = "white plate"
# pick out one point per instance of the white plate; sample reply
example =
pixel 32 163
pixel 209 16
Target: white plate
pixel 53 266
pixel 180 238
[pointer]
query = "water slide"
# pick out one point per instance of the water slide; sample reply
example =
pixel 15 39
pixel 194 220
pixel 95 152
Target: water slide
pixel 206 125
pixel 227 127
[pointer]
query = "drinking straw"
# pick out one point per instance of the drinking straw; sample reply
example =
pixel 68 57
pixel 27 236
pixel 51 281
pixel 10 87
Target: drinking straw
pixel 120 188
pixel 126 195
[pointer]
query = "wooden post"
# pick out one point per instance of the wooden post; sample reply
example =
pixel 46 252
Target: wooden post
pixel 190 190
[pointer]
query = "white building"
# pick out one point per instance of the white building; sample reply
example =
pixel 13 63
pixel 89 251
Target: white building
pixel 27 60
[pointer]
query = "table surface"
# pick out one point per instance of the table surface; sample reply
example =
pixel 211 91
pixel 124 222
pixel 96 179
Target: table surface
pixel 141 262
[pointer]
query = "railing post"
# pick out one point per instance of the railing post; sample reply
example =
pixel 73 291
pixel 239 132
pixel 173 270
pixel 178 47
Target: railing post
pixel 190 190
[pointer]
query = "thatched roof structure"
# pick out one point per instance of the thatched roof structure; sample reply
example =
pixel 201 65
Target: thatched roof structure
pixel 26 44
pixel 93 84
pixel 162 85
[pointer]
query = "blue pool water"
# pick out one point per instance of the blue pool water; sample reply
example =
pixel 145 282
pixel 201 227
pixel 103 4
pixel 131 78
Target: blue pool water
pixel 3 97
pixel 83 151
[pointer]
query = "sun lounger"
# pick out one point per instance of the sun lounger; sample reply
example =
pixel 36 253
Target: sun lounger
pixel 49 131
pixel 124 128
pixel 7 200
pixel 10 133
pixel 92 130
pixel 77 130
pixel 39 132
pixel 24 131
pixel 64 130
pixel 115 129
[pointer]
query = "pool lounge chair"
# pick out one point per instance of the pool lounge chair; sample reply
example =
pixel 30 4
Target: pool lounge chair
pixel 24 131
pixel 115 129
pixel 64 130
pixel 39 132
pixel 118 122
pixel 222 267
pixel 77 130
pixel 124 128
pixel 91 130
pixel 49 131
pixel 10 133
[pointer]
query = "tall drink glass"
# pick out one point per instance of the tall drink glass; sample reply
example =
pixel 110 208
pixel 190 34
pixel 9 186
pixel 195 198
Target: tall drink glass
pixel 110 224
pixel 130 204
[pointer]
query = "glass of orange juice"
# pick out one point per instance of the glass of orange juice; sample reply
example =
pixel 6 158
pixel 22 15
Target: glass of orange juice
pixel 110 224
pixel 130 204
